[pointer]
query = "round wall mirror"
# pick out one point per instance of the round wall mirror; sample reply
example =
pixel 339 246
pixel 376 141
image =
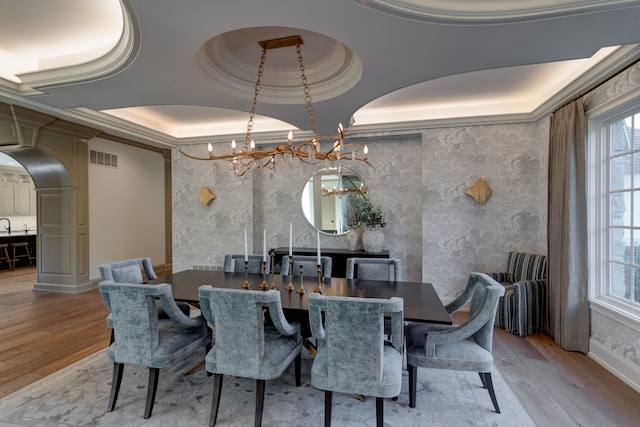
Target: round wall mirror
pixel 327 197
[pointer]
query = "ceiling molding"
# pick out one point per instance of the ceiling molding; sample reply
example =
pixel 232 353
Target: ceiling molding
pixel 119 58
pixel 474 12
pixel 601 72
pixel 334 69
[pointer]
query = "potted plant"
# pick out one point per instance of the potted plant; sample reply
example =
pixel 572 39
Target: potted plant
pixel 352 216
pixel 374 219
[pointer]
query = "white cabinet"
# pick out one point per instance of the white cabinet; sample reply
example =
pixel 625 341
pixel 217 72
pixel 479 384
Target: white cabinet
pixel 17 192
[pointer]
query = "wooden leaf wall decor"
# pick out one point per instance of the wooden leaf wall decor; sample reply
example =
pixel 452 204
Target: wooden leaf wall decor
pixel 480 191
pixel 206 196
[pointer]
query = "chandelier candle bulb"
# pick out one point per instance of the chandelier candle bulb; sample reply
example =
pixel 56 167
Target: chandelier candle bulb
pixel 290 240
pixel 264 246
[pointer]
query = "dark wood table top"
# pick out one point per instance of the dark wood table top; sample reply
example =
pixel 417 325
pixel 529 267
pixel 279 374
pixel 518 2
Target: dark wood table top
pixel 421 302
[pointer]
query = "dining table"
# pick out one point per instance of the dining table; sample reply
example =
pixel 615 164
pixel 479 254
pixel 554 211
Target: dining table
pixel 421 302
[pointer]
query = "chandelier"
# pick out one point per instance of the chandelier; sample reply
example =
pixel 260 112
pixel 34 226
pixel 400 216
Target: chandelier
pixel 310 151
pixel 344 191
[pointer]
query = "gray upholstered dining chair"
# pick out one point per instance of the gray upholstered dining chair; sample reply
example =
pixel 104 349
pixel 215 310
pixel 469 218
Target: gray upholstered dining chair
pixel 466 347
pixel 374 269
pixel 142 338
pixel 128 271
pixel 135 270
pixel 234 263
pixel 387 269
pixel 246 346
pixel 309 266
pixel 352 356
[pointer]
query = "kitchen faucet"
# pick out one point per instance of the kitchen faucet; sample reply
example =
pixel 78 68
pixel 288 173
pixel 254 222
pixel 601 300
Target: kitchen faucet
pixel 8 227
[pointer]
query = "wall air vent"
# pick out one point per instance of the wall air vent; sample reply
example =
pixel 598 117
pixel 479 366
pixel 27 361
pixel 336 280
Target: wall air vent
pixel 103 159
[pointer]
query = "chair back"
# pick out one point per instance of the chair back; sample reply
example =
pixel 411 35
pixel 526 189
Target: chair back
pixel 464 297
pixel 234 263
pixel 483 307
pixel 128 271
pixel 309 266
pixel 527 266
pixel 135 319
pixel 351 340
pixel 238 318
pixel 388 269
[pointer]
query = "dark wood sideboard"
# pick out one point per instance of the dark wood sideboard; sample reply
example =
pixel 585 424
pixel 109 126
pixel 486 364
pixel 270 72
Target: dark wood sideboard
pixel 338 257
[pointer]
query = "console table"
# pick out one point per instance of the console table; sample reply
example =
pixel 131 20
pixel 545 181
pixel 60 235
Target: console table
pixel 338 257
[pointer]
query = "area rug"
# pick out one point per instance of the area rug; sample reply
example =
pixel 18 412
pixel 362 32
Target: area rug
pixel 78 396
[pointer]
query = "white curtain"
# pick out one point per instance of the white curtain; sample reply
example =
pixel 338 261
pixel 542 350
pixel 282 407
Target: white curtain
pixel 567 229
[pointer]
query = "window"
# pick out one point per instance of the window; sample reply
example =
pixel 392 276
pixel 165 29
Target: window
pixel 614 177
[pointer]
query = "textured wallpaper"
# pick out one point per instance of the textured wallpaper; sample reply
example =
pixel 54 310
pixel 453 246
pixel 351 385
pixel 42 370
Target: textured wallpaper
pixel 439 233
pixel 460 235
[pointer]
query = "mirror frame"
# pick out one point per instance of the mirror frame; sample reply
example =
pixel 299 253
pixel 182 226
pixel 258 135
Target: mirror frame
pixel 308 195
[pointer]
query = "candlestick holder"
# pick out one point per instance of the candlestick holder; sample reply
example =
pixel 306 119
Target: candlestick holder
pixel 272 256
pixel 264 284
pixel 301 290
pixel 289 286
pixel 246 283
pixel 319 289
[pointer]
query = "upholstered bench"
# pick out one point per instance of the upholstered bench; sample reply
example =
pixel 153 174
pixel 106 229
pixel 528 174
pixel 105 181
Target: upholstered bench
pixel 523 310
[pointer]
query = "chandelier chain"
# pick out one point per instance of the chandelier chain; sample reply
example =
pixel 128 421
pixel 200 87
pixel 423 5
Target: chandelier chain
pixel 307 91
pixel 256 91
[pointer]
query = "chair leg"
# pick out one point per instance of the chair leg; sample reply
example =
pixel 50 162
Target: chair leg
pixel 413 373
pixel 151 391
pixel 298 368
pixel 215 404
pixel 259 402
pixel 484 383
pixel 492 393
pixel 328 397
pixel 115 385
pixel 206 351
pixel 379 412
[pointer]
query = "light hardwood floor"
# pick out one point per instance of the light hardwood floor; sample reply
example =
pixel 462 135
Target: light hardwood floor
pixel 42 332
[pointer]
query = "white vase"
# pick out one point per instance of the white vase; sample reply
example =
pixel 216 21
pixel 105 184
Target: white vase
pixel 352 239
pixel 373 239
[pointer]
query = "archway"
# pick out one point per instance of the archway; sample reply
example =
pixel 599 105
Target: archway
pixel 53 184
pixel 55 239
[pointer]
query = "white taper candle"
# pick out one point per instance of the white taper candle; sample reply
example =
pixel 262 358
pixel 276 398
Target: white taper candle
pixel 264 246
pixel 290 240
pixel 246 254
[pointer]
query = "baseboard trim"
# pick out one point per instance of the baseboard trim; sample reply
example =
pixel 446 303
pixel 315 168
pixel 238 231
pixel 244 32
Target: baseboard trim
pixel 65 289
pixel 614 363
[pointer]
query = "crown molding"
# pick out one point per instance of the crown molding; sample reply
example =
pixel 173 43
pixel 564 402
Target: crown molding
pixel 600 73
pixel 117 59
pixel 474 12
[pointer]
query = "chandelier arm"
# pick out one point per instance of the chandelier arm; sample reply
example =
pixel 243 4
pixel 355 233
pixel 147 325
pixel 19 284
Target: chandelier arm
pixel 227 157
